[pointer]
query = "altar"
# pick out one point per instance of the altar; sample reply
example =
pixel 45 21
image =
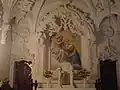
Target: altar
pixel 66 53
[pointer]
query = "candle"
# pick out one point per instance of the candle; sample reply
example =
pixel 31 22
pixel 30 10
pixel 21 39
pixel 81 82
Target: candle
pixel 84 83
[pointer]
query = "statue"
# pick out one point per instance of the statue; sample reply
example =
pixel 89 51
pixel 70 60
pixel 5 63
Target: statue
pixel 73 55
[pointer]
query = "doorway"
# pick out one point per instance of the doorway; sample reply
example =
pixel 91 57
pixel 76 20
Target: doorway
pixel 22 75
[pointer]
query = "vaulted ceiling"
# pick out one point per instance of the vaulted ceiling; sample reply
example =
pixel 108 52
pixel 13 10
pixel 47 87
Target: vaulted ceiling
pixel 19 8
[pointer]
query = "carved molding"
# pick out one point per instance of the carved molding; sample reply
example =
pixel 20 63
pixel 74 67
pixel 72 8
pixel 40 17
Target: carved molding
pixel 67 15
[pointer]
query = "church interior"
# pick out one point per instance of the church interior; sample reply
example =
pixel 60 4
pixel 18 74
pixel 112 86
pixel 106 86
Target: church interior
pixel 60 44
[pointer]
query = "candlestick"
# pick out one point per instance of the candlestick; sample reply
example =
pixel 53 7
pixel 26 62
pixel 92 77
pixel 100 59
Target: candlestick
pixel 84 83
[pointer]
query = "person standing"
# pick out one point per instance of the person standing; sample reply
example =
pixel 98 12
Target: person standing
pixel 36 84
pixel 0 84
pixel 31 84
pixel 98 84
pixel 5 86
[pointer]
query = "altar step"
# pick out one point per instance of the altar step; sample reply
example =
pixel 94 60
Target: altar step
pixel 68 86
pixel 66 89
pixel 77 84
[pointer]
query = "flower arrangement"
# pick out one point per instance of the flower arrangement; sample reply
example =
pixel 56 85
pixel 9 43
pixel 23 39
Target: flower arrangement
pixel 48 74
pixel 81 74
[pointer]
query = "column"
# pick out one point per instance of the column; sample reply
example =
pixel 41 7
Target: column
pixel 6 19
pixel 38 68
pixel 71 76
pixel 85 53
pixel 5 29
pixel 5 50
pixel 49 59
pixel 5 47
pixel 59 77
pixel 42 59
pixel 11 73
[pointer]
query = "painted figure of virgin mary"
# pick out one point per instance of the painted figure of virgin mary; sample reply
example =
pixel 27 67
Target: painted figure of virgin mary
pixel 65 51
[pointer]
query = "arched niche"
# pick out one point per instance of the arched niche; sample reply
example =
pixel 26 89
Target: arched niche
pixel 109 29
pixel 75 22
pixel 109 25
